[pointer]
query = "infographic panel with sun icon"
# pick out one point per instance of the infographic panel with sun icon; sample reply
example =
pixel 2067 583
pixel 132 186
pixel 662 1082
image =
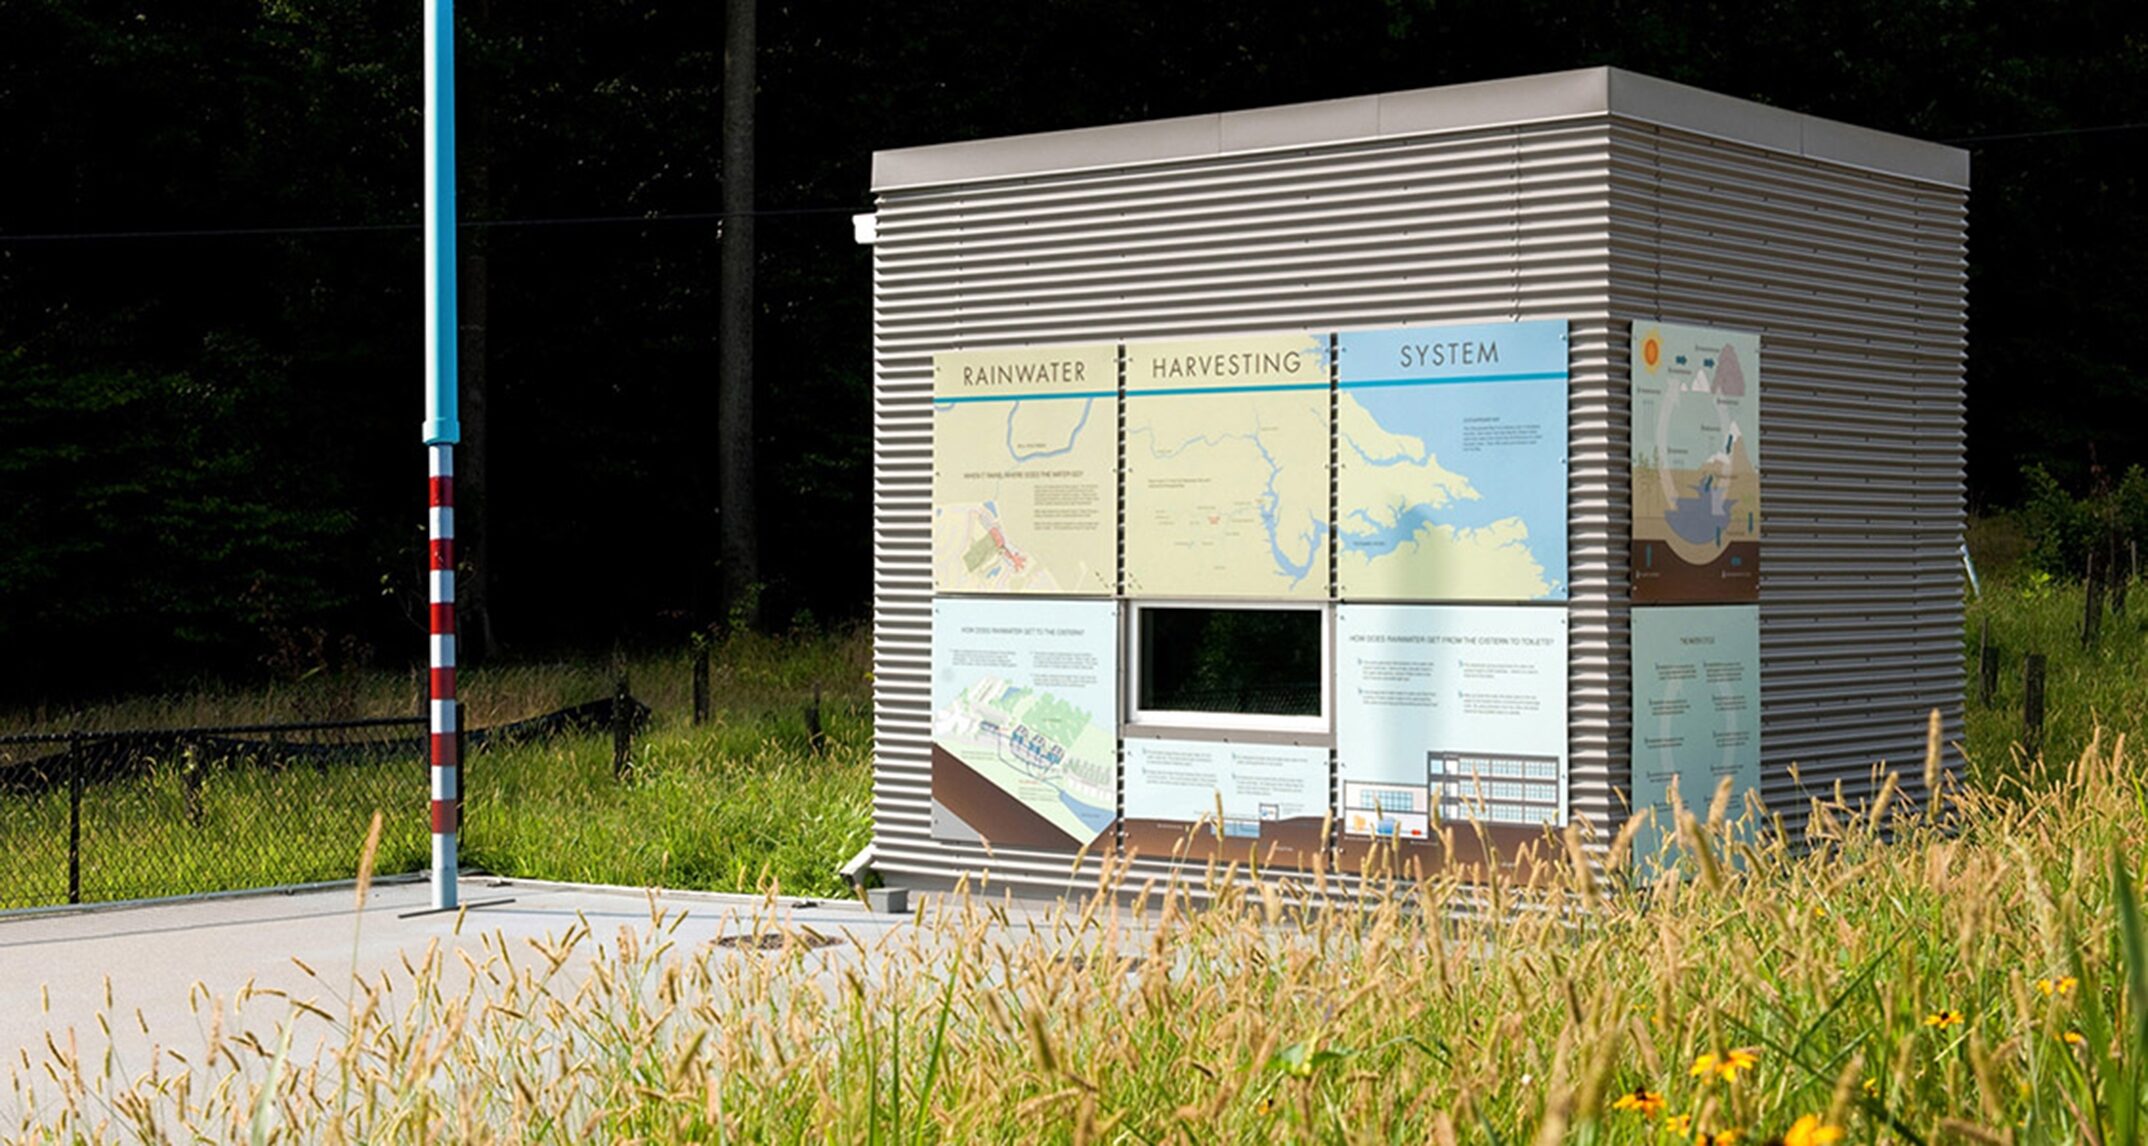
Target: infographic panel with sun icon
pixel 1696 464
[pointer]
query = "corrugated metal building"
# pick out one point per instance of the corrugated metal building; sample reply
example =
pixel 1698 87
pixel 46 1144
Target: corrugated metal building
pixel 1599 197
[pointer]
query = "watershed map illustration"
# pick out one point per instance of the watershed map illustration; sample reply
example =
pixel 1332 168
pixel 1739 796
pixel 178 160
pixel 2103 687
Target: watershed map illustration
pixel 1025 460
pixel 1451 463
pixel 1227 467
pixel 1024 722
pixel 1696 464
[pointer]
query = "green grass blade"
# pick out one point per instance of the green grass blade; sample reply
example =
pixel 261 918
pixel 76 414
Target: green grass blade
pixel 2133 946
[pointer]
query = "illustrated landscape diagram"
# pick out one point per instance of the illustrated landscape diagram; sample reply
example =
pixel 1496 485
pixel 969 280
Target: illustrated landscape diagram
pixel 1025 721
pixel 1260 803
pixel 1057 765
pixel 1696 464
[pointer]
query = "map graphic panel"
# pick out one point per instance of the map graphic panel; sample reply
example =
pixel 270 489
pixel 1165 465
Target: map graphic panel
pixel 1273 800
pixel 1448 714
pixel 1227 467
pixel 1025 458
pixel 1025 721
pixel 1696 712
pixel 1696 464
pixel 1451 463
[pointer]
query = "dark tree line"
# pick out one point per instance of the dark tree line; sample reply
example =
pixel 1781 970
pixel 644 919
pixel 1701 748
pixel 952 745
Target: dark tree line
pixel 209 455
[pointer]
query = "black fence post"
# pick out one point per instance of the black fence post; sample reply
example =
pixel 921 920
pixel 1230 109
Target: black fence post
pixel 1987 668
pixel 191 765
pixel 622 729
pixel 701 679
pixel 74 817
pixel 2032 704
pixel 2092 608
pixel 2119 584
pixel 816 739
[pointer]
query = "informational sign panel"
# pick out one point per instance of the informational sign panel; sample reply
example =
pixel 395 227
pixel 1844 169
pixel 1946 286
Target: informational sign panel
pixel 1025 457
pixel 1696 711
pixel 1025 716
pixel 1227 467
pixel 1696 464
pixel 1447 714
pixel 1264 803
pixel 1451 463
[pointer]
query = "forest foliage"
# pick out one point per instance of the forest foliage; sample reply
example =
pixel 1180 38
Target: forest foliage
pixel 210 329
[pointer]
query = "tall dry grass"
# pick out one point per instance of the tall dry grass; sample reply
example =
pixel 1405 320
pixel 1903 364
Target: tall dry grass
pixel 1974 976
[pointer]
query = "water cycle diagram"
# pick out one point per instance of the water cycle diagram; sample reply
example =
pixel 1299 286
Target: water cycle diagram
pixel 1696 464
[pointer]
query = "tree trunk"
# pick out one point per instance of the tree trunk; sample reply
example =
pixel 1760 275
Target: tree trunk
pixel 738 556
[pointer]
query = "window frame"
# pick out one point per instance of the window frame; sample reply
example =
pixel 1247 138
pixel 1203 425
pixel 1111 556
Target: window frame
pixel 1156 721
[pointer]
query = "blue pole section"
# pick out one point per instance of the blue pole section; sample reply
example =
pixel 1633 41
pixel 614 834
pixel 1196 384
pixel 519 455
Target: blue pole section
pixel 442 429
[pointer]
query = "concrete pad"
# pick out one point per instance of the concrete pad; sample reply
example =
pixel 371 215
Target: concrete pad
pixel 129 985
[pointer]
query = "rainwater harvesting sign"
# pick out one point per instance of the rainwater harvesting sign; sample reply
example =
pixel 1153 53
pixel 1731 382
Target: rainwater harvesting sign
pixel 1227 467
pixel 1451 463
pixel 1025 719
pixel 1025 458
pixel 1696 464
pixel 1446 714
pixel 1696 712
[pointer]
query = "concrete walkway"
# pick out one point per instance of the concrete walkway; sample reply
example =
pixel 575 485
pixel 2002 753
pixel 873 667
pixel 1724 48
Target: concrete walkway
pixel 158 971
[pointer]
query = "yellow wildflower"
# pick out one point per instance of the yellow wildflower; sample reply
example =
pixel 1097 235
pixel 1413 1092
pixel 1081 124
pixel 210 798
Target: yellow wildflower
pixel 1679 1126
pixel 1648 1102
pixel 1871 1088
pixel 1941 1020
pixel 2075 1039
pixel 2060 986
pixel 1810 1131
pixel 1725 1066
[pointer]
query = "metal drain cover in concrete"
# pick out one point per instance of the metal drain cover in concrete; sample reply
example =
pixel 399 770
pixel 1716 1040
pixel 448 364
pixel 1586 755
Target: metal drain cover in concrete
pixel 777 941
pixel 1081 962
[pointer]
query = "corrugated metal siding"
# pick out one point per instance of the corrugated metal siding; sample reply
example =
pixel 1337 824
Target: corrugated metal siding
pixel 1467 226
pixel 1544 221
pixel 1857 283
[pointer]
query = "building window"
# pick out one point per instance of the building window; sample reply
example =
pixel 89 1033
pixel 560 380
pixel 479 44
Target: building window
pixel 1242 666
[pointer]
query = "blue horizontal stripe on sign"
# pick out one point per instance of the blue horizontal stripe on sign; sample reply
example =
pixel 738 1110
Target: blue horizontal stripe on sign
pixel 1545 376
pixel 1133 393
pixel 938 401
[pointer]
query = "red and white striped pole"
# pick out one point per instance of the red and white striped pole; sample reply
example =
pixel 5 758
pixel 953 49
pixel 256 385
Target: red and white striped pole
pixel 442 431
pixel 445 738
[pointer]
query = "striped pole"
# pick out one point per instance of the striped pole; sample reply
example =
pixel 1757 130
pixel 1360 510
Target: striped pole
pixel 442 430
pixel 447 763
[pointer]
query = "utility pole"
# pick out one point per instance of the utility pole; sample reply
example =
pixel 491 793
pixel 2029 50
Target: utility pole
pixel 736 523
pixel 442 431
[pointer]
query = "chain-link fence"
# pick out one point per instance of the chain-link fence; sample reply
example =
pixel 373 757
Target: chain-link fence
pixel 128 815
pixel 96 816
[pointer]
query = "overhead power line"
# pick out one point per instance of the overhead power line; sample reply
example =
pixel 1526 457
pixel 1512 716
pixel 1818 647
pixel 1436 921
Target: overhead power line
pixel 2099 128
pixel 361 228
pixel 708 216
